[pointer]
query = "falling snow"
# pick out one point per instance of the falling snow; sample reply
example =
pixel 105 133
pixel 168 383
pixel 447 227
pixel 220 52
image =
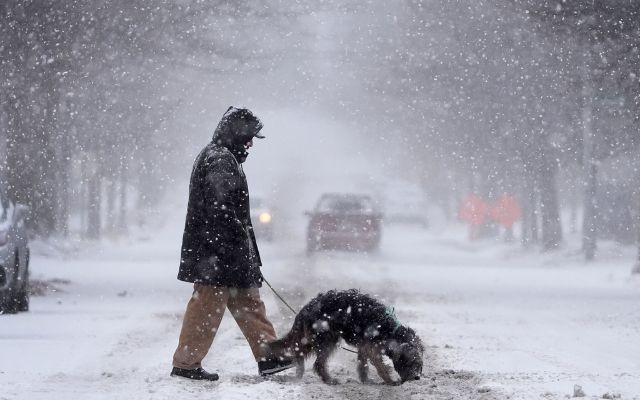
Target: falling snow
pixel 498 141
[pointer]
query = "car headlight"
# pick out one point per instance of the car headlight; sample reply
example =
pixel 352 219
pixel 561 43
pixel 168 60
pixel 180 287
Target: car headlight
pixel 265 217
pixel 4 237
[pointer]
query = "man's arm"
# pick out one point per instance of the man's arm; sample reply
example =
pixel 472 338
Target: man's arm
pixel 222 182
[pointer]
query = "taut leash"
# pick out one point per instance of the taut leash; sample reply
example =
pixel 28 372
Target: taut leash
pixel 278 295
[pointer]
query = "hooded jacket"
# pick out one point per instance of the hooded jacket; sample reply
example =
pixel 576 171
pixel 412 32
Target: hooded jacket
pixel 218 245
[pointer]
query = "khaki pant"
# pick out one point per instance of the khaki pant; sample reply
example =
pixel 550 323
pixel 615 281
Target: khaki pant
pixel 204 314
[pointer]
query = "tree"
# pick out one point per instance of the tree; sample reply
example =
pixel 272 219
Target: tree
pixel 473 88
pixel 603 37
pixel 86 99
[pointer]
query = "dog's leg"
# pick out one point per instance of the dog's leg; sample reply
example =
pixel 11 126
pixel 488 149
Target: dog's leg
pixel 320 365
pixel 299 367
pixel 363 367
pixel 383 370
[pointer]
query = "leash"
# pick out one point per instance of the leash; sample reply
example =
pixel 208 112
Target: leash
pixel 294 311
pixel 278 295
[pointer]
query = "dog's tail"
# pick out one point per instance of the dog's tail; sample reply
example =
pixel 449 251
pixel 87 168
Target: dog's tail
pixel 292 345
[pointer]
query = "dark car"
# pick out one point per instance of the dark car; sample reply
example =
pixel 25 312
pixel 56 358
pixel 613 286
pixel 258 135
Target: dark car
pixel 345 221
pixel 262 219
pixel 14 257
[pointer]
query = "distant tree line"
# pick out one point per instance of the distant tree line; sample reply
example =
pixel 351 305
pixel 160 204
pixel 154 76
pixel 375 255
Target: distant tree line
pixel 602 41
pixel 536 98
pixel 85 105
pixel 522 96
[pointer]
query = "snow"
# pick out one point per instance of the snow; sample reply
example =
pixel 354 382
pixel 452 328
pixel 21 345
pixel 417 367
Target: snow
pixel 102 113
pixel 498 321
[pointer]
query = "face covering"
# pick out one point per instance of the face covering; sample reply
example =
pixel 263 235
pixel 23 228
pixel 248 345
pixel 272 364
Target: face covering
pixel 240 152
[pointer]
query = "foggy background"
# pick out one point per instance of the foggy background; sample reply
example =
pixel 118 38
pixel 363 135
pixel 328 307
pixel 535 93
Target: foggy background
pixel 103 106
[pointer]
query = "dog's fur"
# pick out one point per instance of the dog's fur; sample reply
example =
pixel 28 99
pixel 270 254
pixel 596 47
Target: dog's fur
pixel 362 322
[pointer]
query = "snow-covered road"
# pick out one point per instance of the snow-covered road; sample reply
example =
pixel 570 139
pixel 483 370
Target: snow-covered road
pixel 498 322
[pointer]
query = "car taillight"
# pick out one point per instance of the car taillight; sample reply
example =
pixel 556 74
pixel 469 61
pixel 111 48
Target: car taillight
pixel 4 237
pixel 265 217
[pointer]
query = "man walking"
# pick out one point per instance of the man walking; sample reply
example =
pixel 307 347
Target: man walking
pixel 219 251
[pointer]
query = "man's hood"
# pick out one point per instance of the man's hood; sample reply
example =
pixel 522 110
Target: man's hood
pixel 237 127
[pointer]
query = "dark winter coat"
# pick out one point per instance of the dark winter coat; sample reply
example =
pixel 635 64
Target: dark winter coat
pixel 218 245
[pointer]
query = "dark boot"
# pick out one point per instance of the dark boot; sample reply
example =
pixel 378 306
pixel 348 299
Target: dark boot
pixel 273 366
pixel 197 374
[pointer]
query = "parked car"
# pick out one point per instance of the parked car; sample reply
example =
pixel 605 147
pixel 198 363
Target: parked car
pixel 346 221
pixel 406 204
pixel 262 218
pixel 14 257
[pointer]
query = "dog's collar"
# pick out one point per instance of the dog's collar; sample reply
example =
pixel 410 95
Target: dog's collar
pixel 391 311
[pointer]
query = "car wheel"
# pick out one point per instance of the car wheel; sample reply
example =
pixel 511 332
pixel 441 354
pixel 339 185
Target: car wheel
pixel 7 307
pixel 18 296
pixel 22 296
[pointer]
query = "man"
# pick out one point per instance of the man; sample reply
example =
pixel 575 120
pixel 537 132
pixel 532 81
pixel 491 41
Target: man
pixel 219 251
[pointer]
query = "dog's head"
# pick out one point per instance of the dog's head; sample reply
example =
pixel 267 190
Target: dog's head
pixel 406 352
pixel 407 361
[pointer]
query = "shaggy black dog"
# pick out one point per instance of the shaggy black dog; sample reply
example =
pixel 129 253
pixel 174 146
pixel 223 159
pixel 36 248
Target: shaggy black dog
pixel 362 322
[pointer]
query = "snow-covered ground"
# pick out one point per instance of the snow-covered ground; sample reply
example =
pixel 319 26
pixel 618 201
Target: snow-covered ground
pixel 499 322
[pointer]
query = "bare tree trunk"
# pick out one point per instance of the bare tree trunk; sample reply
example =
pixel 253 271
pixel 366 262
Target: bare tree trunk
pixel 635 213
pixel 83 205
pixel 46 185
pixel 60 144
pixel 18 174
pixel 550 213
pixel 93 210
pixel 31 163
pixel 529 212
pixel 636 266
pixel 62 214
pixel 122 215
pixel 589 222
pixel 64 156
pixel 111 223
pixel 573 204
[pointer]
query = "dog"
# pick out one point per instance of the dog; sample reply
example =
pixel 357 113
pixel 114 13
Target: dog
pixel 363 322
